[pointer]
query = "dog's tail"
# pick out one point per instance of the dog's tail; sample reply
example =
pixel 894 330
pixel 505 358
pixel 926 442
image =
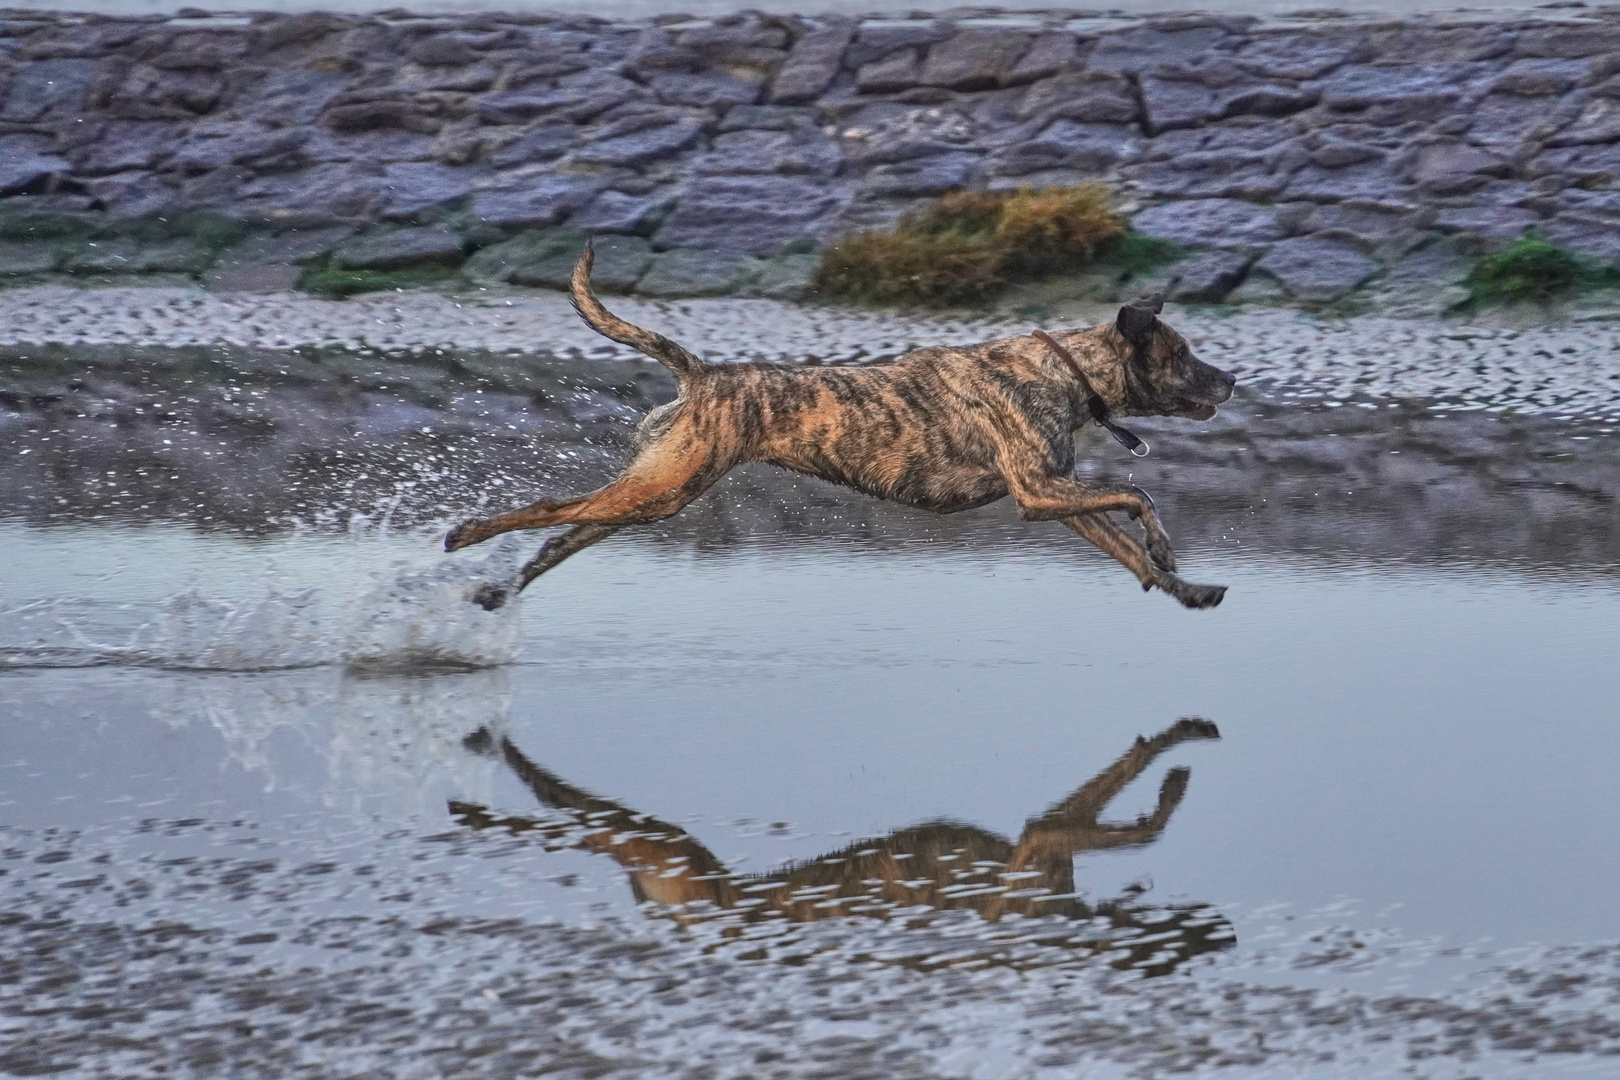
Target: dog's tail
pixel 604 322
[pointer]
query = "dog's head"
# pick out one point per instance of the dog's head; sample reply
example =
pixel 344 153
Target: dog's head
pixel 1162 376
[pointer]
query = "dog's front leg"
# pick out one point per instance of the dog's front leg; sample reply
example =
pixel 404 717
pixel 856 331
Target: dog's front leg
pixel 491 596
pixel 1056 498
pixel 1117 543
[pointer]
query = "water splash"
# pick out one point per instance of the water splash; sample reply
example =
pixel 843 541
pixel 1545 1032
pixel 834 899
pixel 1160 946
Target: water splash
pixel 406 616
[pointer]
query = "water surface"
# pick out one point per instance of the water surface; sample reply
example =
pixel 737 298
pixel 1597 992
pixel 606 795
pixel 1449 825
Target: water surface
pixel 274 791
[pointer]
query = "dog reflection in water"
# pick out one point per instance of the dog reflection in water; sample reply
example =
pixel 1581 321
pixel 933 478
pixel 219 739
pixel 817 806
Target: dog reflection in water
pixel 943 864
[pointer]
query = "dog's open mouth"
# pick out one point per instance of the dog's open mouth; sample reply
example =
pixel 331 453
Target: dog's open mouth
pixel 1198 410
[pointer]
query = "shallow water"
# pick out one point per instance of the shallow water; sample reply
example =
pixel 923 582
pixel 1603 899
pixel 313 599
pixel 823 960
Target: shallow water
pixel 275 794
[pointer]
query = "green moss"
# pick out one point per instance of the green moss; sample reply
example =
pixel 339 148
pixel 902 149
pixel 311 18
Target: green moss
pixel 1534 270
pixel 331 282
pixel 204 228
pixel 964 247
pixel 1139 254
pixel 45 226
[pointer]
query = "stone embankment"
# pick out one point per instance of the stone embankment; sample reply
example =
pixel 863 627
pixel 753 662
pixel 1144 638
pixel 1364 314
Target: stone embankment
pixel 1302 161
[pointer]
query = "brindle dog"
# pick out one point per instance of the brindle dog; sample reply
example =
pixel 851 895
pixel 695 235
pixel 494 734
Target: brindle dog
pixel 942 429
pixel 947 865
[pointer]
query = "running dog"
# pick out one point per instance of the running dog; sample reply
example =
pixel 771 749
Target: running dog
pixel 942 429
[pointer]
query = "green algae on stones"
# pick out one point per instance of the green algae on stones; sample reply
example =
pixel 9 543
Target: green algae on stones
pixel 1534 270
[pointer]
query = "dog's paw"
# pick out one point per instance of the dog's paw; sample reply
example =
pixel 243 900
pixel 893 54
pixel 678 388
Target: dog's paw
pixel 1174 787
pixel 1202 596
pixel 461 536
pixel 1161 551
pixel 1193 727
pixel 491 597
pixel 1189 595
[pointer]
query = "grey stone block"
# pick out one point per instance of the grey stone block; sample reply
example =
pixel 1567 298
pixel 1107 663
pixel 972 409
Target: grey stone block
pixel 122 145
pixel 1046 56
pixel 402 247
pixel 808 153
pixel 544 143
pixel 1207 278
pixel 1311 268
pixel 296 96
pixel 1597 122
pixel 130 257
pixel 876 41
pixel 891 133
pixel 752 215
pixel 1178 104
pixel 1581 164
pixel 25 258
pixel 896 72
pixel 699 272
pixel 1334 154
pixel 769 118
pixel 787 277
pixel 1371 182
pixel 131 194
pixel 48 90
pixel 1447 168
pixel 408 188
pixel 322 193
pixel 299 246
pixel 1501 222
pixel 811 65
pixel 641 147
pixel 617 212
pixel 1147 49
pixel 534 199
pixel 1268 99
pixel 266 278
pixel 1298 57
pixel 1397 93
pixel 620 262
pixel 1217 223
pixel 1068 144
pixel 1600 240
pixel 1540 78
pixel 1363 228
pixel 542 252
pixel 924 176
pixel 27 161
pixel 974 59
pixel 706 89
pixel 1568 42
pixel 1085 96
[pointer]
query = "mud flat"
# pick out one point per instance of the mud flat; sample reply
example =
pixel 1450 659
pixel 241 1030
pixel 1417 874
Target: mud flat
pixel 1357 161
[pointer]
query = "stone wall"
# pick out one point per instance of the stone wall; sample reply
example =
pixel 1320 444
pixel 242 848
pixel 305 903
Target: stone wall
pixel 1297 161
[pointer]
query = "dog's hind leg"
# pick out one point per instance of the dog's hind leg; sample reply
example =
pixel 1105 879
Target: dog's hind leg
pixel 663 478
pixel 1120 545
pixel 561 547
pixel 552 552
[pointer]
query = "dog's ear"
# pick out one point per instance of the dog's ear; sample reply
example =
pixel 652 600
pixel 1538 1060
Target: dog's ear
pixel 1138 318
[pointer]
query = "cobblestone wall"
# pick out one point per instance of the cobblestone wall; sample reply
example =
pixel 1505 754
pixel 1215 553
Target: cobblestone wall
pixel 1296 160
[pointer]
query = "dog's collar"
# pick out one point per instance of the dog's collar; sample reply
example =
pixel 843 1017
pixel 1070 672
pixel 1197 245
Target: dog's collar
pixel 1094 402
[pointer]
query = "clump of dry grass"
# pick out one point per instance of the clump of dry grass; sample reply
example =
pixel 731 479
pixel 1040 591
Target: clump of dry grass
pixel 966 245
